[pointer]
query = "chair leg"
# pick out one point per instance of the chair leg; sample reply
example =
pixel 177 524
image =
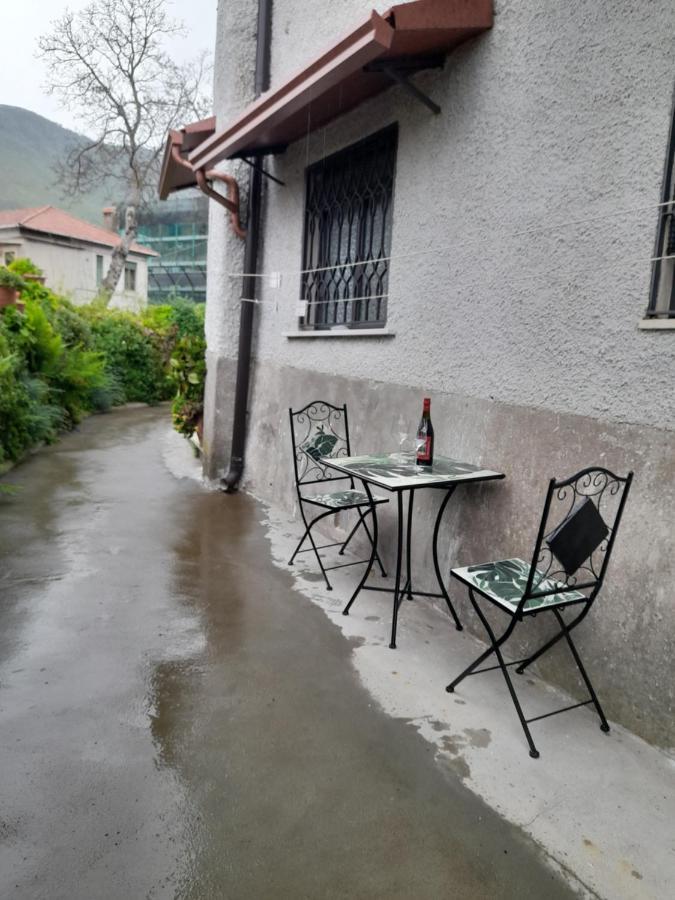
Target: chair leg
pixel 351 535
pixel 604 725
pixel 362 521
pixel 297 549
pixel 453 684
pixel 308 534
pixel 318 558
pixel 495 646
pixel 373 552
pixel 550 643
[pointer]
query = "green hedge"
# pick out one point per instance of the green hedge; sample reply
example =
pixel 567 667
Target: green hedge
pixel 60 362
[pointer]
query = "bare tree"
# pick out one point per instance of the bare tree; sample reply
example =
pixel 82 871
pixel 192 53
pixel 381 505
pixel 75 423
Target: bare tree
pixel 109 65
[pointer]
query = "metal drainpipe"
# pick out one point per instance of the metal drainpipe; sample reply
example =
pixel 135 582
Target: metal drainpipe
pixel 248 287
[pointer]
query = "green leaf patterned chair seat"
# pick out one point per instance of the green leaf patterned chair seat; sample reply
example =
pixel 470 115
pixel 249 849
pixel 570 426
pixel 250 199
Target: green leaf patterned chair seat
pixel 505 581
pixel 319 431
pixel 341 499
pixel 571 552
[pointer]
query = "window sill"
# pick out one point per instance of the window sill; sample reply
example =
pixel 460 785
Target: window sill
pixel 340 333
pixel 656 324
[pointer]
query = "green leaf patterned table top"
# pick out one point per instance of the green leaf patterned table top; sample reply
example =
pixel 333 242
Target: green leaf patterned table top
pixel 506 579
pixel 386 470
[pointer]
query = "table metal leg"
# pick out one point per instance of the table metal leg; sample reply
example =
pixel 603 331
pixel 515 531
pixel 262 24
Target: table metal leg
pixel 408 544
pixel 437 567
pixel 402 589
pixel 399 553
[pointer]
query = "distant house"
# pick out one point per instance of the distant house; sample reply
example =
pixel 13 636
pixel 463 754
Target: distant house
pixel 73 254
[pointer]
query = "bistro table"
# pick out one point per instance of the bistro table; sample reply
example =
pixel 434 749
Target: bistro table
pixel 389 472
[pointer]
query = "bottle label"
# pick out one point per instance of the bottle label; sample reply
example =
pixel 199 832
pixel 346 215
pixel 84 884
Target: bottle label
pixel 424 453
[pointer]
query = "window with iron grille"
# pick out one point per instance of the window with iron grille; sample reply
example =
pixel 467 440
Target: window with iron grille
pixel 347 240
pixel 662 294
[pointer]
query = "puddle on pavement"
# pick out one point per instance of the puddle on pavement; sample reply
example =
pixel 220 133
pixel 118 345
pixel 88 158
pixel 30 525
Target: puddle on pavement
pixel 237 752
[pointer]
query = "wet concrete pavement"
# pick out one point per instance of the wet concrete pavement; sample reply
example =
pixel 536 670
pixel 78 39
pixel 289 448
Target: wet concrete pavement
pixel 177 721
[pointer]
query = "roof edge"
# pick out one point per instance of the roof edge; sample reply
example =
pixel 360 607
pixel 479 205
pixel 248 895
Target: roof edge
pixel 364 43
pixel 138 250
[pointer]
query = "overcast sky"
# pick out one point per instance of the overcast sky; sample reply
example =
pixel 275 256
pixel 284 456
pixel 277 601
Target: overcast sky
pixel 22 76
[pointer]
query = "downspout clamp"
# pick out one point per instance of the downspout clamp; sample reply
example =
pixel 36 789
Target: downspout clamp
pixel 262 78
pixel 231 202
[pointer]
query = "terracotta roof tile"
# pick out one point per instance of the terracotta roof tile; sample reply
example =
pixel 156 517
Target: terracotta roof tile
pixel 50 220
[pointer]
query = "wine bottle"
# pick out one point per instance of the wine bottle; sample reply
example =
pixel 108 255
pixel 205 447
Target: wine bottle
pixel 425 436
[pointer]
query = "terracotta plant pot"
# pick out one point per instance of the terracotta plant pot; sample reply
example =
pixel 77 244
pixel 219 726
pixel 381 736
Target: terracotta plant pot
pixel 8 297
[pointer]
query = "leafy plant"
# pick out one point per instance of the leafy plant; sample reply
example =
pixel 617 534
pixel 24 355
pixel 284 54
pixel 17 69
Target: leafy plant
pixel 60 362
pixel 133 356
pixel 188 372
pixel 24 266
pixel 27 417
pixel 11 280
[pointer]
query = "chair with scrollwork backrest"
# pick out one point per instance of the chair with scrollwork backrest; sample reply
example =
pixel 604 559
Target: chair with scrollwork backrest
pixel 574 543
pixel 321 430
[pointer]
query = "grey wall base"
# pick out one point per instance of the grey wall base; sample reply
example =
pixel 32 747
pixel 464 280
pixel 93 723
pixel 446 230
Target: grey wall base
pixel 218 414
pixel 627 639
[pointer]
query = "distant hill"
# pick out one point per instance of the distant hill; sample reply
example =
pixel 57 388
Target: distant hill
pixel 29 148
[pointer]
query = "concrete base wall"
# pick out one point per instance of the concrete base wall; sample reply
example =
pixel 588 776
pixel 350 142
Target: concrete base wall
pixel 627 639
pixel 218 414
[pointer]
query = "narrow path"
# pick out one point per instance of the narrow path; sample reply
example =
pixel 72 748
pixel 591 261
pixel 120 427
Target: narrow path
pixel 177 721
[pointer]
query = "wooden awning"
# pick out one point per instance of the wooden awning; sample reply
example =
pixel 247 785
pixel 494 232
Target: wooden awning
pixel 177 173
pixel 382 49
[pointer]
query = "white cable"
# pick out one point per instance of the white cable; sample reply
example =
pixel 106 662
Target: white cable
pixel 442 251
pixel 519 281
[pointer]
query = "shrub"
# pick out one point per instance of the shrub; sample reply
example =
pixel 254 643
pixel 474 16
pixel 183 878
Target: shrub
pixel 188 368
pixel 11 280
pixel 59 362
pixel 182 317
pixel 24 266
pixel 74 379
pixel 133 356
pixel 27 417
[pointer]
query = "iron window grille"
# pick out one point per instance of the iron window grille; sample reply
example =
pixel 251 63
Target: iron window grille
pixel 347 235
pixel 662 293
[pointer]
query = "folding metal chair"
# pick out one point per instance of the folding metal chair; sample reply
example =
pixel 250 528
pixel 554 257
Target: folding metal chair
pixel 575 539
pixel 322 430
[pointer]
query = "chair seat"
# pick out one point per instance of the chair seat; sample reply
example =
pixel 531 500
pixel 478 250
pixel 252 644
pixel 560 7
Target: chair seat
pixel 342 499
pixel 505 580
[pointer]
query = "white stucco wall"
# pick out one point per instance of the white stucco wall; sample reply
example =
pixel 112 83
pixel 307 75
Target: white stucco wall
pixel 560 112
pixel 524 332
pixel 72 270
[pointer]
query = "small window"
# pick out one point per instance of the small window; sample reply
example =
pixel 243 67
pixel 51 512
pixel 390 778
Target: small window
pixel 99 270
pixel 10 256
pixel 348 216
pixel 130 276
pixel 662 294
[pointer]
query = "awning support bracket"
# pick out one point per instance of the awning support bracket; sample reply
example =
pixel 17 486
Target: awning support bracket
pixel 256 165
pixel 399 70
